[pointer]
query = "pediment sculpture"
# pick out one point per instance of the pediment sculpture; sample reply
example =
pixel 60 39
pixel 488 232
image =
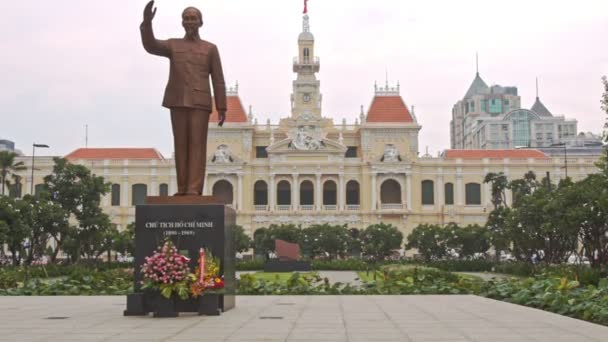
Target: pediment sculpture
pixel 305 141
pixel 222 155
pixel 391 154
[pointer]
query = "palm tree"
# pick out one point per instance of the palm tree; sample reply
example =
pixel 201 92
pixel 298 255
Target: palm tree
pixel 9 167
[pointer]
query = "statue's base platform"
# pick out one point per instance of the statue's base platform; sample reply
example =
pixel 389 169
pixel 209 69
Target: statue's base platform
pixel 190 223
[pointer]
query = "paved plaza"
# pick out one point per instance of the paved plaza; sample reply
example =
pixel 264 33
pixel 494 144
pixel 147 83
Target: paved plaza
pixel 294 318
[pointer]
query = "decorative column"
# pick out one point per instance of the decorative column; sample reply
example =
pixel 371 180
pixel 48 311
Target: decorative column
pixel 173 181
pixel 374 192
pixel 28 185
pixel 341 193
pixel 318 199
pixel 295 192
pixel 124 189
pixel 272 196
pixel 124 192
pixel 153 186
pixel 439 191
pixel 239 190
pixel 408 190
pixel 486 190
pixel 206 185
pixel 459 189
pixel 153 179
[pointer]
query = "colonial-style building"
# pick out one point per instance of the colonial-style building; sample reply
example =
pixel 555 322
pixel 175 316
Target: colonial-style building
pixel 307 169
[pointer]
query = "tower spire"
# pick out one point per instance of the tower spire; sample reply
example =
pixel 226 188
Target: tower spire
pixel 477 63
pixel 537 87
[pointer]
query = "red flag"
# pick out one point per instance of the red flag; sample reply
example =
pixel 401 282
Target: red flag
pixel 305 6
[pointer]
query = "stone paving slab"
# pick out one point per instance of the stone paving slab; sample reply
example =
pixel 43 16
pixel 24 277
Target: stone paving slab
pixel 294 318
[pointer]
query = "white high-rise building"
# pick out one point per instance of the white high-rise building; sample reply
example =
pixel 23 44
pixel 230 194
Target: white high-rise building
pixel 492 118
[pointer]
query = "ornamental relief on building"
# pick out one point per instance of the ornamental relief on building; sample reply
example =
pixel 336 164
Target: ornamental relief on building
pixel 391 154
pixel 222 155
pixel 306 139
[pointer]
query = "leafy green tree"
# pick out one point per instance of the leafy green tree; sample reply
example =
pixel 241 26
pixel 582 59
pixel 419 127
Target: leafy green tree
pixel 523 187
pixel 380 240
pixel 242 241
pixel 42 217
pixel 469 240
pixel 590 215
pixel 124 241
pixel 264 238
pixel 15 230
pixel 322 239
pixel 8 167
pixel 430 240
pixel 496 226
pixel 79 193
pixel 499 184
pixel 354 246
pixel 259 242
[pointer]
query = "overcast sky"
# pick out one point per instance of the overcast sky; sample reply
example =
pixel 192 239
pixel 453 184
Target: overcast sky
pixel 67 63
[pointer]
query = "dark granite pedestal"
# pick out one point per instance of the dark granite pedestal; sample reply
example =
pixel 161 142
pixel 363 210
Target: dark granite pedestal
pixel 191 223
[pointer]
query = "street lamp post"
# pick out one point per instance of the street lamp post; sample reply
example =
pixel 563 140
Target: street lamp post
pixel 34 145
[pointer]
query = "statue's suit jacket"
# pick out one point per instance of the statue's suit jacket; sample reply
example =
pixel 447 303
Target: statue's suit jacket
pixel 192 62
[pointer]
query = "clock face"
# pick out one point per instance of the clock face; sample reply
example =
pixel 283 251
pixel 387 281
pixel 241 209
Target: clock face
pixel 306 97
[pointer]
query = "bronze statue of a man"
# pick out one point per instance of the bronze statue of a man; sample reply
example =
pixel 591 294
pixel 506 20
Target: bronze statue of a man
pixel 188 94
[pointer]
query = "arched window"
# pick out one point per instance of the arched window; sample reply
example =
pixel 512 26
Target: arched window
pixel 115 195
pixel 222 189
pixel 449 193
pixel 163 190
pixel 14 190
pixel 330 191
pixel 390 192
pixel 260 193
pixel 306 54
pixel 428 192
pixel 352 193
pixel 307 193
pixel 140 191
pixel 473 194
pixel 283 193
pixel 39 189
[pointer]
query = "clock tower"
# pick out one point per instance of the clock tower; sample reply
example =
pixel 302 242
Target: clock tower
pixel 306 97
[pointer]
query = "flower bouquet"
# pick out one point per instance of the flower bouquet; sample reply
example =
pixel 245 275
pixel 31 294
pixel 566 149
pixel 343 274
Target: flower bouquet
pixel 166 271
pixel 207 275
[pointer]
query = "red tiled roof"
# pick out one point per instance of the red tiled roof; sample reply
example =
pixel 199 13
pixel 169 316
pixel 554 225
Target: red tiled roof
pixel 115 153
pixel 235 112
pixel 388 109
pixel 494 154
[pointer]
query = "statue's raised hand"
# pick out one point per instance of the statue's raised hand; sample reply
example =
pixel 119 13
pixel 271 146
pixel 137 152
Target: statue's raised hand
pixel 148 12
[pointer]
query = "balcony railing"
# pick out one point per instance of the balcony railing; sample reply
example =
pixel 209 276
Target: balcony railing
pixel 307 207
pixel 353 207
pixel 330 207
pixel 261 207
pixel 391 206
pixel 284 207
